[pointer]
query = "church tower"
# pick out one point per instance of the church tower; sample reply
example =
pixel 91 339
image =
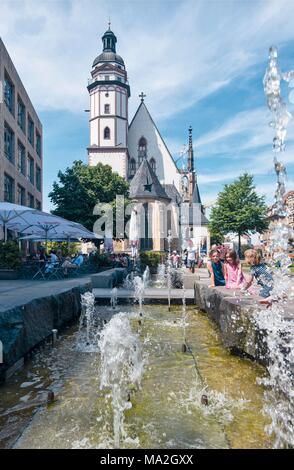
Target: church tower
pixel 109 93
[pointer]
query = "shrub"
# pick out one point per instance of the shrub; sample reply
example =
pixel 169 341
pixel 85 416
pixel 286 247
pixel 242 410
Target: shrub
pixel 10 257
pixel 67 249
pixel 151 258
pixel 101 259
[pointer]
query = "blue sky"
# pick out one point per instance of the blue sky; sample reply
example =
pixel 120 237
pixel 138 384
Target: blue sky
pixel 199 63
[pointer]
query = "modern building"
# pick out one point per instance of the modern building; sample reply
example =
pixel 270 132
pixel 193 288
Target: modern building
pixel 138 153
pixel 20 140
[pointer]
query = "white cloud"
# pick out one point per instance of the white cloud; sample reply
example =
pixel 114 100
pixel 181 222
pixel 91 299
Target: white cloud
pixel 177 52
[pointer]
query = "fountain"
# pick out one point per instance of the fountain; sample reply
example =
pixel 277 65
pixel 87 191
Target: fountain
pixel 168 268
pixel 86 338
pixel 160 276
pixel 274 321
pixel 121 367
pixel 184 320
pixel 139 292
pixel 146 277
pixel 113 297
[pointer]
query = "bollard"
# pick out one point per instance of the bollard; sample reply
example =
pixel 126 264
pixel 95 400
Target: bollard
pixel 50 397
pixel 54 337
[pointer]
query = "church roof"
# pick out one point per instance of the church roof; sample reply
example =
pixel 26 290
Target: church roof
pixel 108 57
pixel 109 49
pixel 196 199
pixel 172 193
pixel 143 107
pixel 196 215
pixel 145 184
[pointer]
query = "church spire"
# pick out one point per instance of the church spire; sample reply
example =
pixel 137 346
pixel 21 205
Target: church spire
pixel 109 40
pixel 190 152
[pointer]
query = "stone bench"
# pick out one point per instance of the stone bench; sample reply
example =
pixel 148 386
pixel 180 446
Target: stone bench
pixel 108 279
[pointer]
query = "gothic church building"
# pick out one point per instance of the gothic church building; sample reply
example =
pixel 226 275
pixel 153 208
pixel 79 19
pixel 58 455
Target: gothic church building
pixel 137 151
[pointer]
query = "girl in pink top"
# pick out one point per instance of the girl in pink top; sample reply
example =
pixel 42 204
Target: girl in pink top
pixel 233 272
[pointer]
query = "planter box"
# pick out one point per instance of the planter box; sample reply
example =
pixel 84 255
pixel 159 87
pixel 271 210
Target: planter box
pixel 8 274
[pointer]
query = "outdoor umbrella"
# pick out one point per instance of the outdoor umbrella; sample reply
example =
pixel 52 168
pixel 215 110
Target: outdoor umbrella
pixel 73 236
pixel 41 224
pixel 9 213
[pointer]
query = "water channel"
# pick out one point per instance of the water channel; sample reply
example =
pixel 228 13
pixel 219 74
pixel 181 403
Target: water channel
pixel 201 398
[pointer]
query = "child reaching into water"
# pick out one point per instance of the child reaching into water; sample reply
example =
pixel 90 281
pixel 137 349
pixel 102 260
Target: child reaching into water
pixel 233 271
pixel 261 273
pixel 215 268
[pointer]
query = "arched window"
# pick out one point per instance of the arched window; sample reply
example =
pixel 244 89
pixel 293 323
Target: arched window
pixel 153 164
pixel 142 149
pixel 132 167
pixel 106 133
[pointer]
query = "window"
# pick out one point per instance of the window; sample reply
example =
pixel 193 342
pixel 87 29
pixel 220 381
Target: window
pixel 142 149
pixel 107 109
pixel 9 93
pixel 38 205
pixel 132 167
pixel 31 201
pixel 31 131
pixel 38 144
pixel 21 115
pixel 21 158
pixel 106 133
pixel 106 77
pixel 8 143
pixel 8 189
pixel 38 178
pixel 153 164
pixel 31 175
pixel 21 196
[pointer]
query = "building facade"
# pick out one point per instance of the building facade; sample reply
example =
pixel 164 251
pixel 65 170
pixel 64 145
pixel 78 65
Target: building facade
pixel 20 140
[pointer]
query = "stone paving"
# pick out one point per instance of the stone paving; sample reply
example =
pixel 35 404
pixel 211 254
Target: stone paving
pixel 20 292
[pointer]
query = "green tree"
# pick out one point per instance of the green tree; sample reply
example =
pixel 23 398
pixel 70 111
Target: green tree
pixel 239 209
pixel 81 187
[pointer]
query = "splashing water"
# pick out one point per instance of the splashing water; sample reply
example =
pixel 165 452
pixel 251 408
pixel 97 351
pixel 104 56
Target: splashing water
pixel 279 394
pixel 280 120
pixel 275 321
pixel 86 338
pixel 113 297
pixel 279 340
pixel 146 276
pixel 121 367
pixel 139 291
pixel 129 281
pixel 160 276
pixel 184 314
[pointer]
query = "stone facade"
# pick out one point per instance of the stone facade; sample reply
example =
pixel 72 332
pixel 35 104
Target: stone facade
pixel 20 140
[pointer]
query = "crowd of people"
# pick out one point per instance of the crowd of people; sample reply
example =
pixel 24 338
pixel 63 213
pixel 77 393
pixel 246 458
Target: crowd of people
pixel 56 258
pixel 225 269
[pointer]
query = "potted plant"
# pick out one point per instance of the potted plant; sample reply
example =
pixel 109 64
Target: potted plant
pixel 10 260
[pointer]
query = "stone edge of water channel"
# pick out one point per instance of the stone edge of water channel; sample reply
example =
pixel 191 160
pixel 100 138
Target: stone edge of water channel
pixel 25 326
pixel 235 321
